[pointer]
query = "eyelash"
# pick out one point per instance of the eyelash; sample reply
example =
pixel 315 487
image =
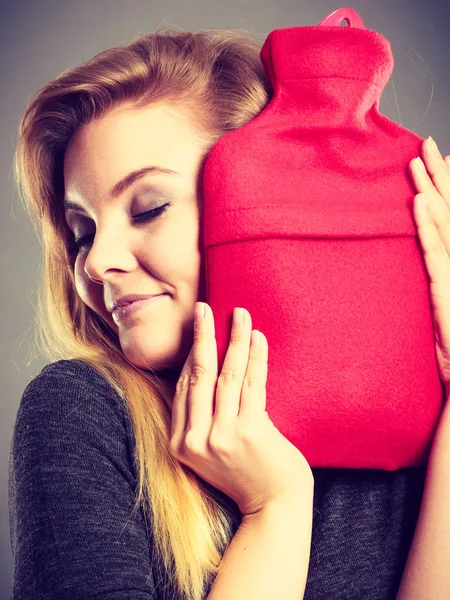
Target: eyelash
pixel 149 215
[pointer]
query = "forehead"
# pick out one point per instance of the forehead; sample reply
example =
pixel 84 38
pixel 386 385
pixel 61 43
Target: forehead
pixel 125 139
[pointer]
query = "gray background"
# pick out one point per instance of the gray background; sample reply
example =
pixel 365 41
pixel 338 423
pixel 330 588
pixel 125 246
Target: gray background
pixel 41 38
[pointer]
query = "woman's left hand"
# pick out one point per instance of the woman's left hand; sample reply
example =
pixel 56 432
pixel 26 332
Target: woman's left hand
pixel 431 177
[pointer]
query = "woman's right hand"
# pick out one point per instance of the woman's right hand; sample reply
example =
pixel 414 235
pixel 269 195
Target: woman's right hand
pixel 220 427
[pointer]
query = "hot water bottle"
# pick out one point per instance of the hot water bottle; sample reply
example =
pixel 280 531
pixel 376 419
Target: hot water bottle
pixel 308 224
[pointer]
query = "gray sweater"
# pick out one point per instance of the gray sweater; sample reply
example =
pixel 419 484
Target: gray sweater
pixel 72 483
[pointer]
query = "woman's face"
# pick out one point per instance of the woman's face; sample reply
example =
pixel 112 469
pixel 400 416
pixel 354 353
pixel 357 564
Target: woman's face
pixel 123 255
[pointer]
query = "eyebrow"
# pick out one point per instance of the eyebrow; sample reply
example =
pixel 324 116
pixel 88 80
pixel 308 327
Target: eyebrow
pixel 125 183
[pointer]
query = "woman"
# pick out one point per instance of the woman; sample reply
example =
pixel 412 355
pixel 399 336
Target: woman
pixel 132 473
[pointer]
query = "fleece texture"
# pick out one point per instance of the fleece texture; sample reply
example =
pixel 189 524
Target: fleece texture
pixel 308 224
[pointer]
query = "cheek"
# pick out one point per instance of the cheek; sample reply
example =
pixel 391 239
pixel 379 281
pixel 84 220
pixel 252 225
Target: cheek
pixel 177 254
pixel 190 261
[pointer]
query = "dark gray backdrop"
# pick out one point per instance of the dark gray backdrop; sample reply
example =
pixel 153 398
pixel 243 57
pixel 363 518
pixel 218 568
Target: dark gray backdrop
pixel 41 38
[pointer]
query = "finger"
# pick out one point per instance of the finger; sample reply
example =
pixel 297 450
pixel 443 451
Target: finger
pixel 437 169
pixel 438 207
pixel 179 404
pixel 439 212
pixel 229 383
pixel 421 179
pixel 203 374
pixel 436 257
pixel 253 394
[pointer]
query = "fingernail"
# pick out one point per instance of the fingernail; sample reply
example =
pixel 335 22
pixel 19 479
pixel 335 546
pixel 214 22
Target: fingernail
pixel 422 200
pixel 255 338
pixel 199 311
pixel 419 163
pixel 433 146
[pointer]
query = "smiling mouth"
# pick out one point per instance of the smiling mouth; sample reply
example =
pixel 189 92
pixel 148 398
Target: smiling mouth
pixel 122 313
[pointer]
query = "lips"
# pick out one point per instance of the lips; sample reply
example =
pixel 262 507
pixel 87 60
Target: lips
pixel 122 313
pixel 129 299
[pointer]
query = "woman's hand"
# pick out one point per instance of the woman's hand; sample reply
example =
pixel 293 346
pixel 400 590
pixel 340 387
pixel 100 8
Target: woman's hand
pixel 220 426
pixel 431 178
pixel 426 573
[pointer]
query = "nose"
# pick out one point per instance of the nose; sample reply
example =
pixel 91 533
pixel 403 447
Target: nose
pixel 110 252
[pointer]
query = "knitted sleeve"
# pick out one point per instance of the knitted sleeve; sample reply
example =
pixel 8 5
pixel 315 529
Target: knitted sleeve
pixel 74 533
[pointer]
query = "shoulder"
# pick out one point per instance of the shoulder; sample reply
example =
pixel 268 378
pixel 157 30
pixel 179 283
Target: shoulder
pixel 70 410
pixel 70 379
pixel 71 391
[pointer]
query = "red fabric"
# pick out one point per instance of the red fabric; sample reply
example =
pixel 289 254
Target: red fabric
pixel 308 224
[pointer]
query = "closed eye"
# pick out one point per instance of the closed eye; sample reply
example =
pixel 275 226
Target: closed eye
pixel 144 217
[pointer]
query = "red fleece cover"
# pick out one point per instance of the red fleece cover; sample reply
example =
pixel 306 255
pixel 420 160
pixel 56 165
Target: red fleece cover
pixel 308 224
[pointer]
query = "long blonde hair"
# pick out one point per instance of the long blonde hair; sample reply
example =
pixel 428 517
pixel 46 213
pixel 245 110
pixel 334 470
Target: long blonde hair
pixel 219 75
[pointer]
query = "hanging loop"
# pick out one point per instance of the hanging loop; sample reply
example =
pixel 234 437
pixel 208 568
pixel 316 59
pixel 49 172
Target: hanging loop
pixel 344 14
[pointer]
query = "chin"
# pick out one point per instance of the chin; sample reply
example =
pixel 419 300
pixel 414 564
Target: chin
pixel 149 362
pixel 170 359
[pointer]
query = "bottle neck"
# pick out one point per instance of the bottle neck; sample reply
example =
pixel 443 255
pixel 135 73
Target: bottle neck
pixel 331 73
pixel 327 103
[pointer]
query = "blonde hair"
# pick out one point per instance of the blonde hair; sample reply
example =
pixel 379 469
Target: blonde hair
pixel 218 75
